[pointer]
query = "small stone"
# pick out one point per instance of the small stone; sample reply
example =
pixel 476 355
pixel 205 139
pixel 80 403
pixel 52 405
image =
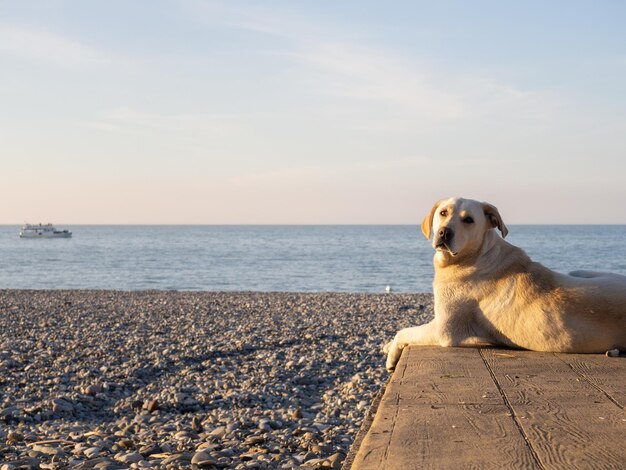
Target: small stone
pixel 320 427
pixel 199 456
pixel 315 463
pixel 336 459
pixel 202 459
pixel 181 435
pixel 258 450
pixel 108 464
pixel 196 424
pixel 176 458
pixel 232 427
pixel 11 410
pixel 334 464
pixel 14 436
pixel 150 449
pixel 208 463
pixel 227 452
pixel 136 404
pixel 60 405
pixel 265 426
pixel 152 405
pixel 206 447
pixel 126 444
pixel 613 353
pixel 92 389
pixel 48 450
pixel 253 440
pixel 133 457
pixel 248 456
pixel 218 432
pixel 91 452
pixel 21 463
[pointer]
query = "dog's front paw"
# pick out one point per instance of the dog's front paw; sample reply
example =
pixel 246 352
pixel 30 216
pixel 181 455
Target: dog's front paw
pixel 393 350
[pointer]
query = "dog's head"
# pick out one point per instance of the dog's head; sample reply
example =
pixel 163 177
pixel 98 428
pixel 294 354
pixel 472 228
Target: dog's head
pixel 459 226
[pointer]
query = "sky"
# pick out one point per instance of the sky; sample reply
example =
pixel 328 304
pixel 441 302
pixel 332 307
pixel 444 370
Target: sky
pixel 319 112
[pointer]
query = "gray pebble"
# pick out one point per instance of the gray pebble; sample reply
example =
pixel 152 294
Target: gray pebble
pixel 91 452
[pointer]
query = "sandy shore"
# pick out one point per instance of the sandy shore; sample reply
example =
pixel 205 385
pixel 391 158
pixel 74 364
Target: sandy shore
pixel 108 379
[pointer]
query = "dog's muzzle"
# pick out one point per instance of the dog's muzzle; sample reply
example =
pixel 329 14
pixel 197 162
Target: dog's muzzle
pixel 443 240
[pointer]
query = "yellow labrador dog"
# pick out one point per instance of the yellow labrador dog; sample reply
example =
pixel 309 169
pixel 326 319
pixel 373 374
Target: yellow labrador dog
pixel 488 291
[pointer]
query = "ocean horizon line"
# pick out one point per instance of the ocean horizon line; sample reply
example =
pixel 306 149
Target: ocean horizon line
pixel 539 224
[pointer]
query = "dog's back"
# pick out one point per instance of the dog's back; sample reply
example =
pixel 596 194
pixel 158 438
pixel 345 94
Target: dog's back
pixel 589 308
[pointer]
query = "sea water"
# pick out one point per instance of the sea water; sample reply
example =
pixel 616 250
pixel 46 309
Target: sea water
pixel 334 258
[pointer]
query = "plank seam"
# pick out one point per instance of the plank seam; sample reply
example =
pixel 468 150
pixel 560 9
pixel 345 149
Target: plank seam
pixel 509 406
pixel 591 382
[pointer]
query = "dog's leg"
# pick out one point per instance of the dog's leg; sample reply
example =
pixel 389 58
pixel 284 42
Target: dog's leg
pixel 425 335
pixel 474 341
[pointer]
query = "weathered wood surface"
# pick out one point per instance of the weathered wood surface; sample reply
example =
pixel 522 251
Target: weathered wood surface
pixel 495 408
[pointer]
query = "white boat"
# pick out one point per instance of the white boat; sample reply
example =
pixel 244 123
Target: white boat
pixel 43 231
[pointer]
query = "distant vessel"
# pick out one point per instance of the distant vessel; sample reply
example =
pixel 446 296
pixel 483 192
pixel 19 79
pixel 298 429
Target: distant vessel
pixel 43 231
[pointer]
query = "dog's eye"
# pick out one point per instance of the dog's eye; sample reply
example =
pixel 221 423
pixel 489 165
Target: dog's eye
pixel 443 213
pixel 468 220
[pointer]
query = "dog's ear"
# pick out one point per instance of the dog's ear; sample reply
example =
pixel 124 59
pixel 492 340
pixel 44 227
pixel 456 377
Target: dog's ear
pixel 492 214
pixel 427 223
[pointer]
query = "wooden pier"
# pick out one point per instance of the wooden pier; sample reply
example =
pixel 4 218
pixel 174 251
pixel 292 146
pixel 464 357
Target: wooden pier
pixel 494 408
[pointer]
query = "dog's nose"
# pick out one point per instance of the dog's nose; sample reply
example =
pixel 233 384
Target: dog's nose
pixel 445 234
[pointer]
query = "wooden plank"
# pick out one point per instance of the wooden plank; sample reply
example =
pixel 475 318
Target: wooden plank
pixel 529 377
pixel 604 373
pixel 442 409
pixel 568 421
pixel 574 436
pixel 462 436
pixel 432 377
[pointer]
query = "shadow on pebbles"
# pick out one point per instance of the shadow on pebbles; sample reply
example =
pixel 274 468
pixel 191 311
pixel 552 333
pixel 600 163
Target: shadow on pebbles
pixel 108 379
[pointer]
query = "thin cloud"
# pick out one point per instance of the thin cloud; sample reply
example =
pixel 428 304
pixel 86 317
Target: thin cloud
pixel 260 19
pixel 103 126
pixel 298 175
pixel 352 70
pixel 127 119
pixel 371 76
pixel 43 46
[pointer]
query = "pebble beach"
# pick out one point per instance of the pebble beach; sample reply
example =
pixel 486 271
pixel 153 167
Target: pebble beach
pixel 166 379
